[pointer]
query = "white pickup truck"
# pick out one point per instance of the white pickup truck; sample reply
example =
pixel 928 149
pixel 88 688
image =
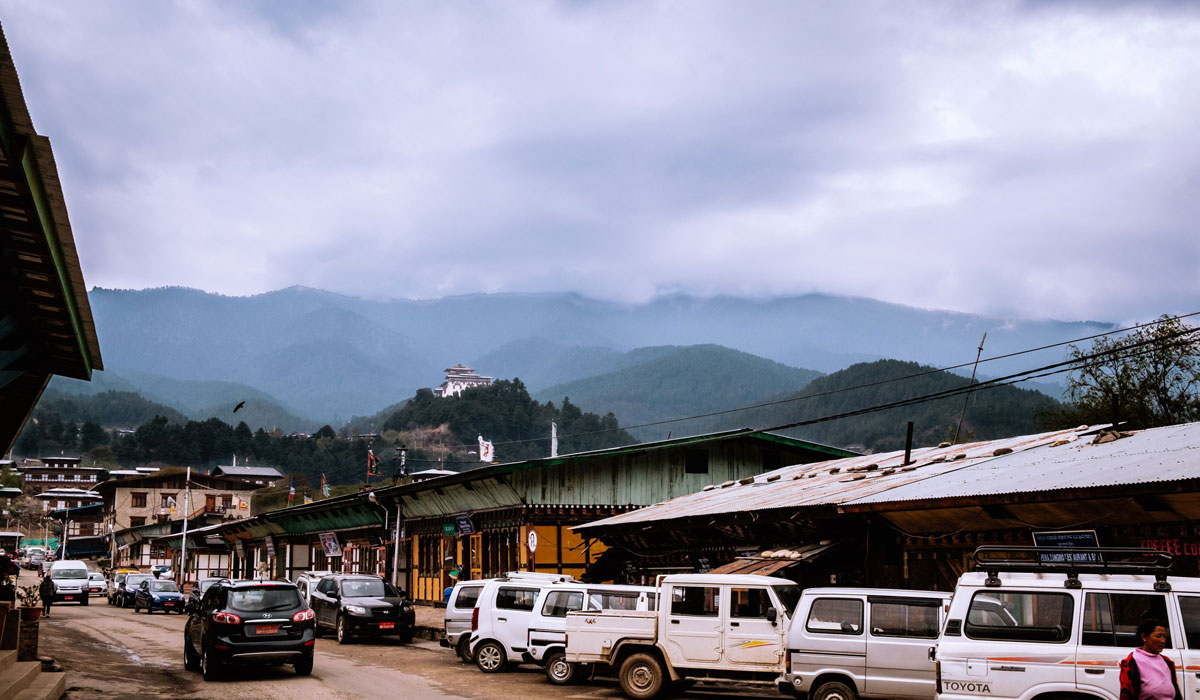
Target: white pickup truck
pixel 712 627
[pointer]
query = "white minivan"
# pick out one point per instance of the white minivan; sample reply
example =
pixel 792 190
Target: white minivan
pixel 847 643
pixel 70 580
pixel 1056 623
pixel 524 621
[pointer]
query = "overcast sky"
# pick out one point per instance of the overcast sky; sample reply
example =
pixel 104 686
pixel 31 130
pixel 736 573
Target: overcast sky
pixel 1035 159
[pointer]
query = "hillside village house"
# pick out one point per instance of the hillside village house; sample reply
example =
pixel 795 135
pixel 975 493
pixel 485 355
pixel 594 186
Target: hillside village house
pixel 66 497
pixel 258 477
pixel 458 379
pixel 141 507
pixel 56 472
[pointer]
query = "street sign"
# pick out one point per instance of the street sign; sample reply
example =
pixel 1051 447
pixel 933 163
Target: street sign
pixel 448 529
pixel 1067 538
pixel 463 521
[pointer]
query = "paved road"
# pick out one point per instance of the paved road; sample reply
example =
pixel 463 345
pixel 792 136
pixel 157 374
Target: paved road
pixel 114 653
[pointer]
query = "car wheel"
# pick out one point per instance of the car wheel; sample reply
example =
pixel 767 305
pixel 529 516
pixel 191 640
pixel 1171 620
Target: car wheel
pixel 317 631
pixel 558 670
pixel 343 635
pixel 85 600
pixel 834 690
pixel 490 657
pixel 136 608
pixel 464 650
pixel 210 667
pixel 641 677
pixel 304 666
pixel 190 661
pixel 406 636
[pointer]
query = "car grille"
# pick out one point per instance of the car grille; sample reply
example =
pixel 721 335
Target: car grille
pixel 383 612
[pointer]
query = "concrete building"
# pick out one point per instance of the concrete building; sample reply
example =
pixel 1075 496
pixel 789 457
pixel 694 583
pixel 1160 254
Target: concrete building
pixel 66 497
pixel 60 472
pixel 142 500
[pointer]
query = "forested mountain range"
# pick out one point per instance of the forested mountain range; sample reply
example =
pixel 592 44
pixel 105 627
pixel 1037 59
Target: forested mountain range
pixel 991 413
pixel 670 382
pixel 323 357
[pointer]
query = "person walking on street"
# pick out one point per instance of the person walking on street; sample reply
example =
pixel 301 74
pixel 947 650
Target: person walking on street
pixel 1146 674
pixel 46 591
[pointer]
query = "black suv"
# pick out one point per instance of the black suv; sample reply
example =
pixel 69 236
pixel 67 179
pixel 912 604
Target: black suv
pixel 241 622
pixel 362 604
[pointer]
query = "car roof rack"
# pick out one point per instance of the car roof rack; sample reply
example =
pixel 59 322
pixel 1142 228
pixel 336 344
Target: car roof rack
pixel 994 559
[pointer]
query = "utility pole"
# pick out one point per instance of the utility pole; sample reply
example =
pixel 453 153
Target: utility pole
pixel 187 508
pixel 963 415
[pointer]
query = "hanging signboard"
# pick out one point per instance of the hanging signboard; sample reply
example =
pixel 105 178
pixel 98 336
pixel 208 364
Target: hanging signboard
pixel 240 548
pixel 465 527
pixel 329 543
pixel 270 545
pixel 448 529
pixel 1084 539
pixel 531 540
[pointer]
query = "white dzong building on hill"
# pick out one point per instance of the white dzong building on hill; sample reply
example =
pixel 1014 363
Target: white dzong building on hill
pixel 459 378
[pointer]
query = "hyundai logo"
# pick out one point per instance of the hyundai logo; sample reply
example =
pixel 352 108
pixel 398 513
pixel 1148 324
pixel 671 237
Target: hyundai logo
pixel 266 616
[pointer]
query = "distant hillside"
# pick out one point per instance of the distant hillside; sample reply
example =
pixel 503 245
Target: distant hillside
pixel 326 357
pixel 992 413
pixel 108 409
pixel 670 382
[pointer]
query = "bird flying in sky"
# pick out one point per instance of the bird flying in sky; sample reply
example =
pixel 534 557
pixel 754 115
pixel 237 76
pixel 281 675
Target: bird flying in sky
pixel 235 408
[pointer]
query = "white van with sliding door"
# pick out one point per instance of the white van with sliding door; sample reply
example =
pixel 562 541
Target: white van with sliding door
pixel 863 642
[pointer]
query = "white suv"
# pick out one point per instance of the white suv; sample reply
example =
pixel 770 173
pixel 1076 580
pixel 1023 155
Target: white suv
pixel 524 620
pixel 1041 623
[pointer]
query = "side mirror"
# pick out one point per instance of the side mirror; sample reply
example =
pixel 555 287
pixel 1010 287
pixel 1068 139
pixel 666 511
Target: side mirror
pixel 772 615
pixel 335 595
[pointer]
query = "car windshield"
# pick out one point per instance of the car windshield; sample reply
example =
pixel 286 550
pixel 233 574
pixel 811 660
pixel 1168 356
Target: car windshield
pixel 96 576
pixel 788 596
pixel 264 598
pixel 366 588
pixel 135 580
pixel 69 573
pixel 164 587
pixel 207 583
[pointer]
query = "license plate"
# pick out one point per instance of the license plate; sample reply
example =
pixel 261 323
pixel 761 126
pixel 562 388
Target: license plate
pixel 68 597
pixel 169 605
pixel 266 629
pixel 386 625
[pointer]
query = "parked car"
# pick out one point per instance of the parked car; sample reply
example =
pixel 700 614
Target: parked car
pixel 1031 622
pixel 247 622
pixel 307 581
pixel 863 642
pixel 34 556
pixel 459 611
pixel 198 590
pixel 128 587
pixel 158 595
pixel 114 584
pixel 70 579
pixel 513 624
pixel 97 584
pixel 715 627
pixel 352 605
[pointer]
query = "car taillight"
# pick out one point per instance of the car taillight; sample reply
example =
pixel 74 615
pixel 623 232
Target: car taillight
pixel 475 620
pixel 304 615
pixel 224 618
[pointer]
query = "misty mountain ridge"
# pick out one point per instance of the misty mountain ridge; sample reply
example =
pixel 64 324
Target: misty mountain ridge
pixel 324 357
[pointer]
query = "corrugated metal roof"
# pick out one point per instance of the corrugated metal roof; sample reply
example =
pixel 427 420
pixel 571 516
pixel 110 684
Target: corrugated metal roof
pixel 269 472
pixel 1063 459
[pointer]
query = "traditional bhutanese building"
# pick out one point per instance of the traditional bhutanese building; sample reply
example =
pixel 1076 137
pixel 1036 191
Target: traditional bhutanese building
pixel 458 379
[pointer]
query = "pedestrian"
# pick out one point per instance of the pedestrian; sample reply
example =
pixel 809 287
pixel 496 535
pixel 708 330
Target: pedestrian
pixel 1146 674
pixel 46 591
